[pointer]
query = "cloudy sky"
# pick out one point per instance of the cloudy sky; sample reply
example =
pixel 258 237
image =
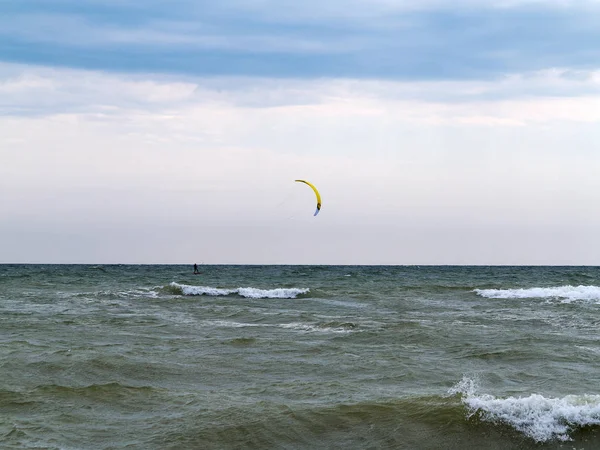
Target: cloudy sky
pixel 146 131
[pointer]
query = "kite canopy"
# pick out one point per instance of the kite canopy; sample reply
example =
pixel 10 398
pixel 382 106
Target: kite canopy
pixel 316 193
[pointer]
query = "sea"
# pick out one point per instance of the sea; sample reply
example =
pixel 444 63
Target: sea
pixel 299 357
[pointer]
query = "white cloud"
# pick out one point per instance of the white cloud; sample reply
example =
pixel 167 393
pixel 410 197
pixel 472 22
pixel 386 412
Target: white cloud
pixel 93 154
pixel 544 95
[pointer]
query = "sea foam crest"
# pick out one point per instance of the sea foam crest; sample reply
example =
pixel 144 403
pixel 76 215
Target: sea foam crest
pixel 270 293
pixel 536 416
pixel 247 292
pixel 567 293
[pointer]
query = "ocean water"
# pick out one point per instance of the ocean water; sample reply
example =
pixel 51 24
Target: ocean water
pixel 299 357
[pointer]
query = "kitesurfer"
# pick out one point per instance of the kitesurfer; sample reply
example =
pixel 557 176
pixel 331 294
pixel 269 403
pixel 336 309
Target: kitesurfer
pixel 196 269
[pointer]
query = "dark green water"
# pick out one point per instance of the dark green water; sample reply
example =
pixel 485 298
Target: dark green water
pixel 153 357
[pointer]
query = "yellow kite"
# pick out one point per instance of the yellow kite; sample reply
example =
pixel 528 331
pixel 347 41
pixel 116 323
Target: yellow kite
pixel 316 193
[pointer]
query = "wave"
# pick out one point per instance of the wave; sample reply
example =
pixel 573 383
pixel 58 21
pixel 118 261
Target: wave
pixel 328 327
pixel 248 292
pixel 108 392
pixel 536 416
pixel 321 327
pixel 567 293
pixel 14 400
pixel 150 293
pixel 242 342
pixel 93 390
pixel 403 423
pixel 132 293
pixel 310 425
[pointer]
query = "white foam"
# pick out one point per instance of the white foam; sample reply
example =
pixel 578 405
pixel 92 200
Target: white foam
pixel 247 292
pixel 566 293
pixel 140 293
pixel 271 293
pixel 202 290
pixel 536 416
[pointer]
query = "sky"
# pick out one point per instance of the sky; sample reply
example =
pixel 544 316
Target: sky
pixel 145 131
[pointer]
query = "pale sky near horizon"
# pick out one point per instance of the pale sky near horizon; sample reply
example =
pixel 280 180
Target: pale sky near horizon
pixel 461 132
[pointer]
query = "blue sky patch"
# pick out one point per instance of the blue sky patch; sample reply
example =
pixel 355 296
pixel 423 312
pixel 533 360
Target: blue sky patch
pixel 270 39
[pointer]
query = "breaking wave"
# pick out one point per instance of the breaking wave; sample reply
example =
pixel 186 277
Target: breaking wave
pixel 566 293
pixel 536 416
pixel 247 292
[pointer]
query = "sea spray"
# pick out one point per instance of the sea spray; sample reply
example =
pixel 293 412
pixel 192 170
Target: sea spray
pixel 566 293
pixel 247 292
pixel 536 416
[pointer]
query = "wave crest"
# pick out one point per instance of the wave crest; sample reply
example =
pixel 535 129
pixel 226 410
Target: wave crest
pixel 567 293
pixel 247 292
pixel 536 416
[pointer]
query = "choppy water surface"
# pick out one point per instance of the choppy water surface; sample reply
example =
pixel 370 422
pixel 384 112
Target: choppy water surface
pixel 154 357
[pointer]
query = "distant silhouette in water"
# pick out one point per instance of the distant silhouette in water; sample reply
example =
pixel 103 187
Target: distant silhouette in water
pixel 196 269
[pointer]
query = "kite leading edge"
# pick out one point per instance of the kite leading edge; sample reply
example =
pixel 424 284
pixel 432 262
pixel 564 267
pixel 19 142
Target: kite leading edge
pixel 316 193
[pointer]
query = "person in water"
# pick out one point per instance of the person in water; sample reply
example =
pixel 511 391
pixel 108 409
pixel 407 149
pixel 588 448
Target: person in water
pixel 196 268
